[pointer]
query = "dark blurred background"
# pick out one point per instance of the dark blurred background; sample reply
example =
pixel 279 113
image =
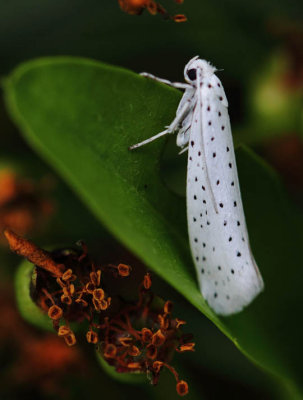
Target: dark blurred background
pixel 259 47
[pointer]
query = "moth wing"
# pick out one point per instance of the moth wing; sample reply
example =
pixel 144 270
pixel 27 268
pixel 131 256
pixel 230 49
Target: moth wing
pixel 228 275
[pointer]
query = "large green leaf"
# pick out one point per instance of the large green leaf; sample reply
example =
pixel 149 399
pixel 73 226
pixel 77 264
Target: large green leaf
pixel 82 116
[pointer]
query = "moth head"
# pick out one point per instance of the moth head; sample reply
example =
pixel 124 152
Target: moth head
pixel 197 67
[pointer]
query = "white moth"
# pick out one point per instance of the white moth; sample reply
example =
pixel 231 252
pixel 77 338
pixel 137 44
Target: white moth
pixel 228 275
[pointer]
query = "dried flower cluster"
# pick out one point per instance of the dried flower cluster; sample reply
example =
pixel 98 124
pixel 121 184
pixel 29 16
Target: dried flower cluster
pixel 138 336
pixel 23 205
pixel 143 337
pixel 136 7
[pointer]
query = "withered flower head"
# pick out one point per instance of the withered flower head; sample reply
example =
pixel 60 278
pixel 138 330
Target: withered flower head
pixel 136 7
pixel 132 336
pixel 143 337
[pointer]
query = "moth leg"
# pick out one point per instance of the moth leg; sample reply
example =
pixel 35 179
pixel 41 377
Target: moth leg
pixel 183 135
pixel 169 129
pixel 135 146
pixel 183 150
pixel 181 114
pixel 177 85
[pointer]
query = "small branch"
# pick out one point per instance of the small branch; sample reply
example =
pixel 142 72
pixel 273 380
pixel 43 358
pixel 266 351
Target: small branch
pixel 33 253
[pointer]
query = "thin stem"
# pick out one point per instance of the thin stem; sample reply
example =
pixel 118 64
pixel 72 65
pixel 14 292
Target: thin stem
pixel 33 253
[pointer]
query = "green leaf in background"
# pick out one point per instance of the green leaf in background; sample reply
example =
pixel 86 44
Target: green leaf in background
pixel 82 116
pixel 28 309
pixel 275 100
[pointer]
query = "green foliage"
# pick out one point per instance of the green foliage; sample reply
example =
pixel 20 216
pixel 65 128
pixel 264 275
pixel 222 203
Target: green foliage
pixel 275 102
pixel 81 116
pixel 28 309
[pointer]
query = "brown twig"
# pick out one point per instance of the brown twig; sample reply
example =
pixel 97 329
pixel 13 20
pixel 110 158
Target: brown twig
pixel 33 253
